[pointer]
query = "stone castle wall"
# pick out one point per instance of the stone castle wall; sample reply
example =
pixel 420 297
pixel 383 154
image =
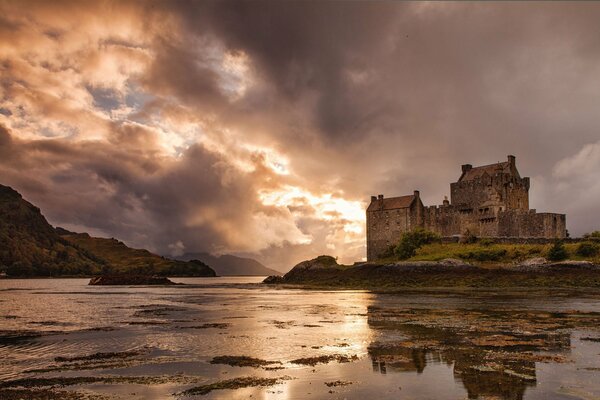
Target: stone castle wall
pixel 489 201
pixel 510 192
pixel 385 227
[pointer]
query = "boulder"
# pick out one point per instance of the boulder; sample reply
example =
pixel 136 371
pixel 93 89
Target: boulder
pixel 273 279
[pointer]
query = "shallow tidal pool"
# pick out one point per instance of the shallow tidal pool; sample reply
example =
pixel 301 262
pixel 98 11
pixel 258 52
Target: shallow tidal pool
pixel 234 338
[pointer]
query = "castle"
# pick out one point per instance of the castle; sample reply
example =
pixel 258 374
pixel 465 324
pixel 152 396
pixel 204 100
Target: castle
pixel 487 201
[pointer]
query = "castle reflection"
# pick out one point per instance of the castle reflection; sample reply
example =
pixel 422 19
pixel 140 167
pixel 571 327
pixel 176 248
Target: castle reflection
pixel 493 352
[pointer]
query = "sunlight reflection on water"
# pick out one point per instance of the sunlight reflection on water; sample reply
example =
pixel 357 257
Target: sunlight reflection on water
pixel 444 345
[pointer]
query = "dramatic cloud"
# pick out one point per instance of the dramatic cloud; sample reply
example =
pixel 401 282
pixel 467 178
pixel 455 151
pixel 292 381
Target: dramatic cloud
pixel 262 128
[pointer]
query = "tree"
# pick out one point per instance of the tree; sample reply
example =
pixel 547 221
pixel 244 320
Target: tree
pixel 557 252
pixel 587 249
pixel 410 242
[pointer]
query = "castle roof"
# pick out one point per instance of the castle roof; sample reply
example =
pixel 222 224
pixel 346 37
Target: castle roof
pixel 491 170
pixel 391 203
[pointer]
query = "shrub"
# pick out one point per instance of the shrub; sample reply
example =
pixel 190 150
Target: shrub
pixel 557 252
pixel 594 234
pixel 484 255
pixel 468 237
pixel 389 251
pixel 327 260
pixel 486 242
pixel 410 242
pixel 587 249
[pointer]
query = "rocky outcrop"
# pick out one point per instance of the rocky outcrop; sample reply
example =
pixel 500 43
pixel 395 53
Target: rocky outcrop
pixel 325 271
pixel 131 280
pixel 273 279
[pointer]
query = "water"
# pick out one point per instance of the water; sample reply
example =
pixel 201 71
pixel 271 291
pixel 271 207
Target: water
pixel 156 342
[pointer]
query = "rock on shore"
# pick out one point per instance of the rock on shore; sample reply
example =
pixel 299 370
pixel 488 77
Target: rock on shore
pixel 131 280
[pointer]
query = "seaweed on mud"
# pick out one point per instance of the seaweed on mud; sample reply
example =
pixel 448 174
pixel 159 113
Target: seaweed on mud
pixel 8 337
pixel 242 361
pixel 46 394
pixel 93 361
pixel 215 325
pixel 282 324
pixel 157 310
pixel 235 383
pixel 55 382
pixel 338 383
pixel 147 323
pixel 591 339
pixel 100 356
pixel 325 359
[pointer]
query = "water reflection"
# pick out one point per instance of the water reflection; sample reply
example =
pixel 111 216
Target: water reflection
pixel 419 345
pixel 493 351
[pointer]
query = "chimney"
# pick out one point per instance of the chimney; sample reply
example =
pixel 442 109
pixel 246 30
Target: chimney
pixel 373 198
pixel 416 193
pixel 511 160
pixel 466 167
pixel 446 202
pixel 380 197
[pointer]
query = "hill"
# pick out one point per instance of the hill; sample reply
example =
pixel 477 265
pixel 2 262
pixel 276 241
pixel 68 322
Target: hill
pixel 231 265
pixel 124 259
pixel 30 246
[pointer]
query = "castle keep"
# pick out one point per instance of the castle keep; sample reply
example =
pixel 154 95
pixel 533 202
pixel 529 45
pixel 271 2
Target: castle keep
pixel 487 201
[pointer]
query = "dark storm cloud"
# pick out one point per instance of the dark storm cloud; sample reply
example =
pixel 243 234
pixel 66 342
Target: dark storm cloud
pixel 302 47
pixel 200 200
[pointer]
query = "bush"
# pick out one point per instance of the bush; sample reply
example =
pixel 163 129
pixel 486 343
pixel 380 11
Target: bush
pixel 484 255
pixel 468 237
pixel 587 249
pixel 486 242
pixel 410 242
pixel 389 252
pixel 594 235
pixel 326 260
pixel 557 252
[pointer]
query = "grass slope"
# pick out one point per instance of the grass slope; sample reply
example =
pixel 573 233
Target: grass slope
pixel 489 254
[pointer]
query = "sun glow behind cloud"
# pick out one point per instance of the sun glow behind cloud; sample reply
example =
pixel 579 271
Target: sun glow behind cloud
pixel 346 217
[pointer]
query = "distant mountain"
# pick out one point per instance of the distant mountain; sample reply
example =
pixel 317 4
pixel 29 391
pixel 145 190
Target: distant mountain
pixel 231 265
pixel 30 246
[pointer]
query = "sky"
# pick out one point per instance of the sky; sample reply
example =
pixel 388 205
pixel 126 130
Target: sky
pixel 263 128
